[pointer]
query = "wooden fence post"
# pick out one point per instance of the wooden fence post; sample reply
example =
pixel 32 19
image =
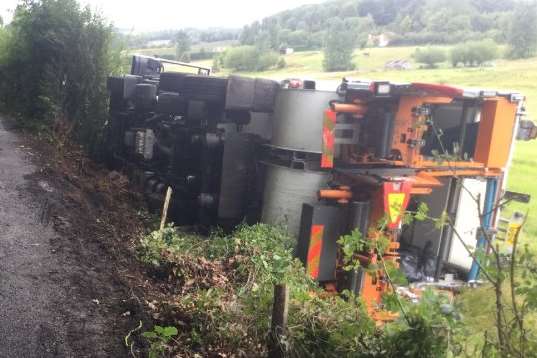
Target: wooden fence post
pixel 278 328
pixel 165 208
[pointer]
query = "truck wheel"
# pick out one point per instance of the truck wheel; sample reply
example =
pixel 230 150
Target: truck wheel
pixel 172 81
pixel 204 88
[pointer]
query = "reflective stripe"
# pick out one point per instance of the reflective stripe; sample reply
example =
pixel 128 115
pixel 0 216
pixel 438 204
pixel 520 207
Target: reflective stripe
pixel 329 125
pixel 314 251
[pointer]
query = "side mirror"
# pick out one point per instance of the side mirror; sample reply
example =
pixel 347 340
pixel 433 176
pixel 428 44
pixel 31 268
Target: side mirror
pixel 527 130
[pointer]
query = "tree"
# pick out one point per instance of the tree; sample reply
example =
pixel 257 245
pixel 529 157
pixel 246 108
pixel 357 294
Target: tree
pixel 3 43
pixel 382 11
pixel 474 53
pixel 339 45
pixel 430 56
pixel 56 64
pixel 183 45
pixel 361 27
pixel 249 34
pixel 522 37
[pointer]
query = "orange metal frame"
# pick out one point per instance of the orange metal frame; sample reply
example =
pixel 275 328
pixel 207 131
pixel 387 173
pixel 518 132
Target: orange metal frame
pixel 498 117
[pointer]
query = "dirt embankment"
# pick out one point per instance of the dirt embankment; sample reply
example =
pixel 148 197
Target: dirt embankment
pixel 69 283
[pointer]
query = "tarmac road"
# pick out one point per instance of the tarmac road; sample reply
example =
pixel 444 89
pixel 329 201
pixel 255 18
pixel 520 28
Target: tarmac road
pixel 55 295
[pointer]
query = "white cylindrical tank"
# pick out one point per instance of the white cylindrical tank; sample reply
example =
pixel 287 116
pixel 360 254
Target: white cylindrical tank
pixel 298 119
pixel 286 189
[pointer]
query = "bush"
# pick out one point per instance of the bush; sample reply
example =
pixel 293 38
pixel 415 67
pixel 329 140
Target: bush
pixel 249 58
pixel 57 60
pixel 266 60
pixel 430 56
pixel 222 288
pixel 474 53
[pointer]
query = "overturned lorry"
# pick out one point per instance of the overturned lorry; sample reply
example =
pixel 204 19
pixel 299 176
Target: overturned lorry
pixel 322 161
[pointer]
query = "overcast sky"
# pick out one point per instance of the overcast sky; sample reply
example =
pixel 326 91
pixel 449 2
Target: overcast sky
pixel 146 15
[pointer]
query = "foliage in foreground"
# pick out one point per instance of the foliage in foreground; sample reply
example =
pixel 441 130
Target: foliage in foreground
pixel 221 299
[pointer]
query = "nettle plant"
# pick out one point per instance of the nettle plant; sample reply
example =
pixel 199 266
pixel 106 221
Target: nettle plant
pixel 377 243
pixel 159 339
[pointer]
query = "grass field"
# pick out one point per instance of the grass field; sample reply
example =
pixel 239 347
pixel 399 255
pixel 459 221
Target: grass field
pixel 518 75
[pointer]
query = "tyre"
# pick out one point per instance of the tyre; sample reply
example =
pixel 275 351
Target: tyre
pixel 240 93
pixel 171 103
pixel 204 88
pixel 172 82
pixel 146 95
pixel 265 95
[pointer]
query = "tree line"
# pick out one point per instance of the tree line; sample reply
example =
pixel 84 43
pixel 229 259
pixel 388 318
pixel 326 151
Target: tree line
pixel 196 36
pixel 340 26
pixel 410 22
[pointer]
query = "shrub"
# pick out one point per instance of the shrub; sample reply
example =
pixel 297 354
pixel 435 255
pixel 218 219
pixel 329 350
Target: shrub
pixel 56 63
pixel 430 56
pixel 474 53
pixel 223 289
pixel 249 58
pixel 266 60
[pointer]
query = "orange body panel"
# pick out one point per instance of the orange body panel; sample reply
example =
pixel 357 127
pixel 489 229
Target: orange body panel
pixel 498 119
pixel 372 290
pixel 409 127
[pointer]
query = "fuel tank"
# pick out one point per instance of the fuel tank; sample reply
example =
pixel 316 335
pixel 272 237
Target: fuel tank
pixel 298 119
pixel 286 190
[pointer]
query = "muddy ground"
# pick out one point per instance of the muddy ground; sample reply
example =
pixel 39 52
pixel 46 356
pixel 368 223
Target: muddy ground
pixel 69 282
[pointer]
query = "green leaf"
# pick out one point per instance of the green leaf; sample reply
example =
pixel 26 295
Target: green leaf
pixel 170 331
pixel 150 335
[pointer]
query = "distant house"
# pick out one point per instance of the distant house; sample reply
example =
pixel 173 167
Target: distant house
pixel 286 50
pixel 159 43
pixel 399 64
pixel 382 40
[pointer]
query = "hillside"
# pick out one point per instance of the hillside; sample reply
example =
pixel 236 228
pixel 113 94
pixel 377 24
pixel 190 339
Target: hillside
pixel 406 22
